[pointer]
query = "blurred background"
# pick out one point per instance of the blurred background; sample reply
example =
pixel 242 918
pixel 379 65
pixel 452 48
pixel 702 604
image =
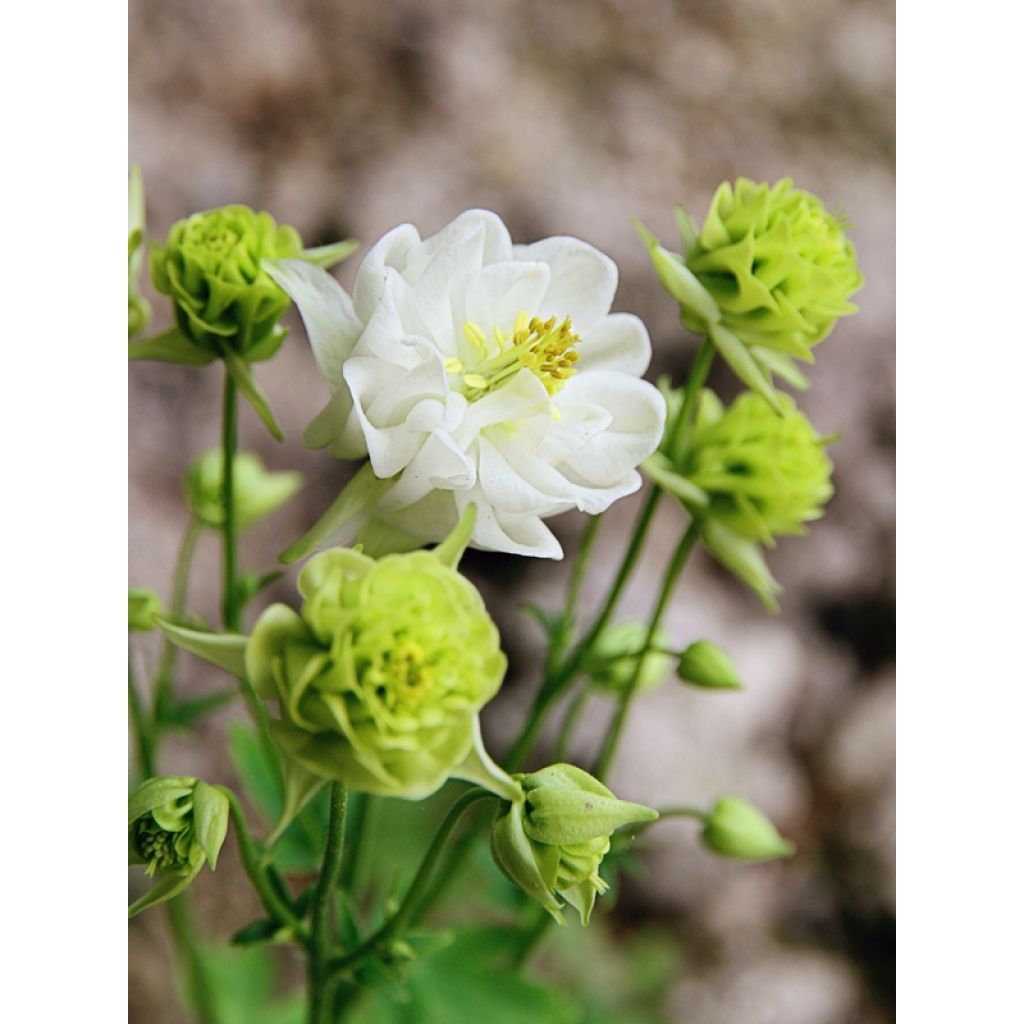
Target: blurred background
pixel 347 117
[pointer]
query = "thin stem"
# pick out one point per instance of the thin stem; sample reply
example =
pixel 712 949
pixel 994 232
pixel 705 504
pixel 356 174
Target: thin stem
pixel 569 723
pixel 141 726
pixel 579 568
pixel 355 835
pixel 272 902
pixel 229 444
pixel 319 987
pixel 668 585
pixel 694 383
pixel 199 989
pixel 393 927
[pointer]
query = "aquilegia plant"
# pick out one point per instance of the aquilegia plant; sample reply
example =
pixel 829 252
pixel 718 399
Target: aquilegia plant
pixel 484 387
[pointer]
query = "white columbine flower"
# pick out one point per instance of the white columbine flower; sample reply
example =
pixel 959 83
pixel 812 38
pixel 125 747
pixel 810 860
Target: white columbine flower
pixel 474 371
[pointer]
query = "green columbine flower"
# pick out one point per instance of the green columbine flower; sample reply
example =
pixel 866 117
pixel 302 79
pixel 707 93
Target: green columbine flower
pixel 766 278
pixel 735 828
pixel 257 492
pixel 381 674
pixel 211 266
pixel 612 661
pixel 750 475
pixel 552 842
pixel 175 825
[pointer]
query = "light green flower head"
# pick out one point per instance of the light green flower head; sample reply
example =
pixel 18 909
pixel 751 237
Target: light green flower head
pixel 257 492
pixel 778 265
pixel 382 673
pixel 175 825
pixel 551 844
pixel 211 267
pixel 735 828
pixel 612 662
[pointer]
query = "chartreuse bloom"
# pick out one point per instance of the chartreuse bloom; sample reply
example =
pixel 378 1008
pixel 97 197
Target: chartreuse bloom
pixel 471 371
pixel 766 277
pixel 138 307
pixel 175 825
pixel 735 828
pixel 551 842
pixel 257 492
pixel 381 674
pixel 749 475
pixel 611 663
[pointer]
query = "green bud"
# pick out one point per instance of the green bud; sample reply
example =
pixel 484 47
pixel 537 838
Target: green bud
pixel 143 606
pixel 777 264
pixel 257 492
pixel 613 659
pixel 704 664
pixel 551 844
pixel 175 825
pixel 382 673
pixel 211 267
pixel 735 828
pixel 138 307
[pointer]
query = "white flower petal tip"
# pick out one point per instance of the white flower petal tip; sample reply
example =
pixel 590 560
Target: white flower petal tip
pixel 475 372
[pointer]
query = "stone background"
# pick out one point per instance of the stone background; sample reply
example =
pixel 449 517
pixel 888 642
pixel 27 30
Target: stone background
pixel 348 117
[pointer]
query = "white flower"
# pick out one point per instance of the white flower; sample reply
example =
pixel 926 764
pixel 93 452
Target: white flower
pixel 473 371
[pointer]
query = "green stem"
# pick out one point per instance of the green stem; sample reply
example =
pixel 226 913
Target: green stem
pixel 319 986
pixel 393 927
pixel 569 723
pixel 579 570
pixel 694 383
pixel 179 593
pixel 229 444
pixel 251 862
pixel 668 585
pixel 355 834
pixel 141 725
pixel 200 991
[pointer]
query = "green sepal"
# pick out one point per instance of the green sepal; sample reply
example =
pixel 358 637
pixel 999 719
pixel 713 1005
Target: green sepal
pixel 687 228
pixel 210 812
pixel 185 714
pixel 781 366
pixel 327 256
pixel 165 888
pixel 706 665
pixel 171 346
pixel 300 786
pixel 679 281
pixel 735 828
pixel 241 373
pixel 743 559
pixel 156 792
pixel 744 365
pixel 225 650
pixel 660 469
pixel 450 551
pixel 515 856
pixel 267 347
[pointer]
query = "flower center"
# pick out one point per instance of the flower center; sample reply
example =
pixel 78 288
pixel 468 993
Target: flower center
pixel 158 847
pixel 544 347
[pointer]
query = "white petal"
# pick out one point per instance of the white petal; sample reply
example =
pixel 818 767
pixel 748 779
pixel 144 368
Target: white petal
pixel 391 251
pixel 509 491
pixel 326 310
pixel 583 280
pixel 618 342
pixel 470 225
pixel 517 535
pixel 438 464
pixel 502 290
pixel 638 420
pixel 520 398
pixel 386 337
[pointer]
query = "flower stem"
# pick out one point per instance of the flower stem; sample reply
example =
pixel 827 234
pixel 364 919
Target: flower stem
pixel 359 811
pixel 393 927
pixel 319 983
pixel 579 570
pixel 142 727
pixel 229 443
pixel 668 585
pixel 572 717
pixel 200 991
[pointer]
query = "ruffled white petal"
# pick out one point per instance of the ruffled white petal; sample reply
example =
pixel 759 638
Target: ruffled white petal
pixel 392 251
pixel 617 342
pixel 498 293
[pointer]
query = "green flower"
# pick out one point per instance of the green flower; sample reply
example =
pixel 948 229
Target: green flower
pixel 735 828
pixel 750 475
pixel 612 661
pixel 211 268
pixel 175 824
pixel 766 278
pixel 552 842
pixel 257 492
pixel 382 673
pixel 143 607
pixel 138 307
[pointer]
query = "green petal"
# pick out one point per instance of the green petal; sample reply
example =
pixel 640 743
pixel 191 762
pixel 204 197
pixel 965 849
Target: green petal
pixel 170 347
pixel 225 650
pixel 167 887
pixel 327 256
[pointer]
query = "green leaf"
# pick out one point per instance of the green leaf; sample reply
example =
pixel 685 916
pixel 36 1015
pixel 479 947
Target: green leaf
pixel 255 932
pixel 170 347
pixel 225 650
pixel 245 983
pixel 241 372
pixel 327 256
pixel 185 714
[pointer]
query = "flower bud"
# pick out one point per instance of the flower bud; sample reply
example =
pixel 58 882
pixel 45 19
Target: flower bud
pixel 175 824
pixel 143 606
pixel 211 267
pixel 257 492
pixel 551 843
pixel 382 673
pixel 704 664
pixel 612 662
pixel 735 828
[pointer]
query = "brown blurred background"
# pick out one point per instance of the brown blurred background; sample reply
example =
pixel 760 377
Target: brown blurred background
pixel 346 117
